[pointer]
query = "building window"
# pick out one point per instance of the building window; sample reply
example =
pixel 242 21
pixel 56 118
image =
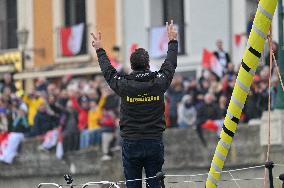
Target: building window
pixel 75 13
pixel 8 24
pixel 12 24
pixel 174 10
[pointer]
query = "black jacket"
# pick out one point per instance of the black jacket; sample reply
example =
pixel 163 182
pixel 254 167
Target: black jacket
pixel 207 112
pixel 228 59
pixel 142 95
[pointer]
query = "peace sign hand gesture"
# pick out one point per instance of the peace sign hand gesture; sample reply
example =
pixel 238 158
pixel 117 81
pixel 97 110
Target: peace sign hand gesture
pixel 171 30
pixel 97 40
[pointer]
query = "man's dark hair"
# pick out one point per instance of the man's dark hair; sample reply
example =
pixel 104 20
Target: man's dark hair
pixel 139 59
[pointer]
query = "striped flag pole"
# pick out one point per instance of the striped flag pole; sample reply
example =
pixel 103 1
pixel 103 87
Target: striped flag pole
pixel 252 54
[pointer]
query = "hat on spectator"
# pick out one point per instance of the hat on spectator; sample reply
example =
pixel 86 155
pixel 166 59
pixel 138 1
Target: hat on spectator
pixel 83 99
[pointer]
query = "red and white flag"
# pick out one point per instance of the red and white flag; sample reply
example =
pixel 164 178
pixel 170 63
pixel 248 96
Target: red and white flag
pixel 238 38
pixel 159 41
pixel 9 147
pixel 207 58
pixel 209 61
pixel 50 139
pixel 71 39
pixel 3 142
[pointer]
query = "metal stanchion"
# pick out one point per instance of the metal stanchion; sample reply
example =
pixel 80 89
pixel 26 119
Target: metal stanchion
pixel 269 165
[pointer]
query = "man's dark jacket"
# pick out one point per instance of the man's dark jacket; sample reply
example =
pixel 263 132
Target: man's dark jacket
pixel 208 112
pixel 142 95
pixel 228 59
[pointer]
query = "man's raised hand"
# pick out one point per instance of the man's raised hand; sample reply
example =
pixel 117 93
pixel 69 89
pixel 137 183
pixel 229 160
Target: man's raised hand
pixel 171 30
pixel 97 40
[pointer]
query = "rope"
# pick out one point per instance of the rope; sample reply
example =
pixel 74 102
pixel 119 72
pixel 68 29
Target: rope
pixel 115 184
pixel 278 72
pixel 269 98
pixel 224 171
pixel 280 165
pixel 190 175
pixel 153 177
pixel 234 180
pixel 225 180
pixel 269 106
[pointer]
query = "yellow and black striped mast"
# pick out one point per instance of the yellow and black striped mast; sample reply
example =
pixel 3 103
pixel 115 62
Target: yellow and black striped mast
pixel 252 54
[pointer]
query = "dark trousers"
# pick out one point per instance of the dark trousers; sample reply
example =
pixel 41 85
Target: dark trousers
pixel 199 130
pixel 173 121
pixel 139 154
pixel 71 142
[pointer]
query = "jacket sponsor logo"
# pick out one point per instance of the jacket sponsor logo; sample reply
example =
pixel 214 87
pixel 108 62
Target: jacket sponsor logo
pixel 117 77
pixel 159 75
pixel 142 75
pixel 142 98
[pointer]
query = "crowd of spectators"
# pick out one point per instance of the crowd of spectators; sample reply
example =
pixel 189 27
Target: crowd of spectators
pixel 194 101
pixel 202 102
pixel 80 112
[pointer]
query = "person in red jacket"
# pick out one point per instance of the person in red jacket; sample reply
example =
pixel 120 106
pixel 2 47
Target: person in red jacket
pixel 82 107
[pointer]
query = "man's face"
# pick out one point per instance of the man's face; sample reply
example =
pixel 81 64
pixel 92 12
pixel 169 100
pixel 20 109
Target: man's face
pixel 51 100
pixel 7 78
pixel 93 104
pixel 42 108
pixel 222 100
pixel 219 45
pixel 274 47
pixel 85 105
pixel 231 67
pixel 7 91
pixel 208 99
pixel 177 80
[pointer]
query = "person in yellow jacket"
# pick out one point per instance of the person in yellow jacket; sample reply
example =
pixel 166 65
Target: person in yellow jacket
pixel 33 101
pixel 94 116
pixel 95 113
